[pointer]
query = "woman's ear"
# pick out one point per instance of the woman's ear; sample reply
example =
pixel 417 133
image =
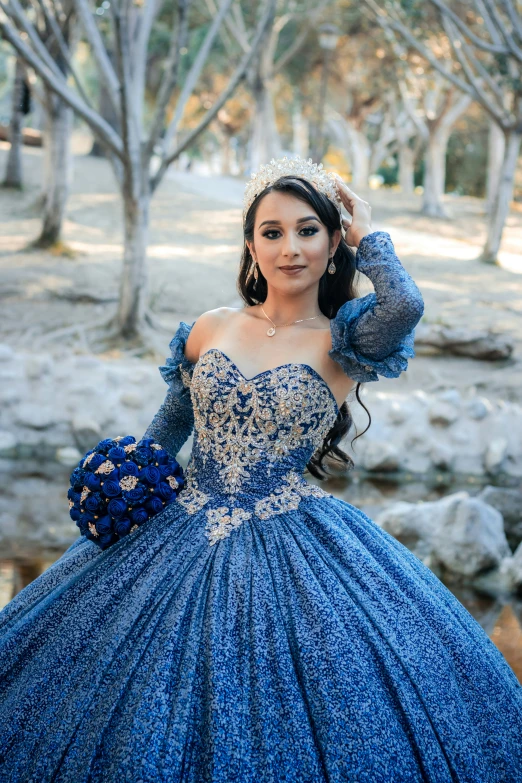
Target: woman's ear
pixel 252 251
pixel 334 242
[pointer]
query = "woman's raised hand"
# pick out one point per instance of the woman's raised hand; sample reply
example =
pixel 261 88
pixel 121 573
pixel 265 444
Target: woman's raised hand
pixel 359 222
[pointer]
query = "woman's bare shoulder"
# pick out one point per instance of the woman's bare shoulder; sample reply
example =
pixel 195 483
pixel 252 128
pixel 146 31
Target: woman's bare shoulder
pixel 205 326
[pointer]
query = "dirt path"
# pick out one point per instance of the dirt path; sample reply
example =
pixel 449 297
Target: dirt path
pixel 195 244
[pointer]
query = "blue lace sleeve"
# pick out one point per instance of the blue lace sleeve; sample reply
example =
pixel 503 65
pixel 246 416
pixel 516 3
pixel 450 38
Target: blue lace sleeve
pixel 373 335
pixel 173 423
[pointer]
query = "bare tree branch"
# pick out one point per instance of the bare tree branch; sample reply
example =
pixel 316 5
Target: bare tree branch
pixel 488 21
pixel 239 74
pixel 513 48
pixel 64 50
pixel 514 17
pixel 302 37
pixel 194 73
pixel 487 47
pixel 100 128
pixel 140 47
pixel 38 46
pixel 170 75
pixel 99 53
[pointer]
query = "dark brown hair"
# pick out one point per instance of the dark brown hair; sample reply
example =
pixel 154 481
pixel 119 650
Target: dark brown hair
pixel 334 291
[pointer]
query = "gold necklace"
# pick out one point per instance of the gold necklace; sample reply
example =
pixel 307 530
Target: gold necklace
pixel 272 329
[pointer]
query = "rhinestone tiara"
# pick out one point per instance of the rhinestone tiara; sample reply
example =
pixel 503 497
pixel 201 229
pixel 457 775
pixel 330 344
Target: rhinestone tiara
pixel 322 180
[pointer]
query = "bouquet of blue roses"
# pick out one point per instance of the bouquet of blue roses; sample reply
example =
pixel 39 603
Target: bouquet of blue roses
pixel 119 485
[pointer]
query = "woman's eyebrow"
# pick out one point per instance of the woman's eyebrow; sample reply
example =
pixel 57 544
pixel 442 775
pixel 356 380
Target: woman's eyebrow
pixel 301 220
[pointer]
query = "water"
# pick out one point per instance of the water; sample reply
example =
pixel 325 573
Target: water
pixel 35 530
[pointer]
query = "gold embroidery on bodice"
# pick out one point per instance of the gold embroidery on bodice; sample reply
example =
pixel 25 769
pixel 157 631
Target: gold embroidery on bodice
pixel 247 430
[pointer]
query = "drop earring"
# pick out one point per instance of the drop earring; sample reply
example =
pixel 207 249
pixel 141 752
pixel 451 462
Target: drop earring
pixel 255 271
pixel 331 266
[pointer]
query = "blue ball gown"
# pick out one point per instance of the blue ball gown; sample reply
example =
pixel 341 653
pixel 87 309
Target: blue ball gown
pixel 258 630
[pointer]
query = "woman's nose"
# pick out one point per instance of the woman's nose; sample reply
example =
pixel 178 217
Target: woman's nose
pixel 290 245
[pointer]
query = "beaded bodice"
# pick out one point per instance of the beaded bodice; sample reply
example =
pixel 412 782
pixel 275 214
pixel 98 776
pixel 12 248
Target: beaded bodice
pixel 253 437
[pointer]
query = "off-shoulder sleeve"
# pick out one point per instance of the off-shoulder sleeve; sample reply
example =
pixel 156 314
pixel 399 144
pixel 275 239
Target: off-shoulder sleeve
pixel 374 334
pixel 174 421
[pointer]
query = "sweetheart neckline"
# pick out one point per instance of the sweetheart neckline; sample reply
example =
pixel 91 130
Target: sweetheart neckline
pixel 273 369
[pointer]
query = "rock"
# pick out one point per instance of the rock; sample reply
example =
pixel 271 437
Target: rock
pixel 379 456
pixel 442 456
pixel 86 431
pixel 6 353
pixel 470 538
pixel 442 414
pixel 36 366
pixel 478 408
pixel 7 444
pixel 509 503
pixel 132 399
pixel 68 455
pixel 413 524
pixel 397 413
pixel 515 570
pixel 495 455
pixel 37 417
pixel 451 396
pixel 475 343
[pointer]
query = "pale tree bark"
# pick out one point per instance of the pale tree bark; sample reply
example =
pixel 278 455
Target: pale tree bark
pixel 496 152
pixel 57 168
pixel 439 131
pixel 13 170
pixel 300 131
pixel 355 144
pixel 131 150
pixel 475 71
pixel 499 211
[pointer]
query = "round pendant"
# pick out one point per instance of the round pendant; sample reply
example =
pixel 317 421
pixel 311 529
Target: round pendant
pixel 271 331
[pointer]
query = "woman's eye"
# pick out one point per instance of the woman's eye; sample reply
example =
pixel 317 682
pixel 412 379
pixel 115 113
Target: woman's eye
pixel 309 232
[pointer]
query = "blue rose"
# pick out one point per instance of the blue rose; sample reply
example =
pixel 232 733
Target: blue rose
pixel 106 540
pixel 93 482
pixel 111 488
pixel 127 440
pixel 164 491
pixel 117 507
pixel 154 505
pixel 104 525
pixel 75 513
pixel 162 456
pixel 139 516
pixel 94 502
pixel 117 454
pixel 145 442
pixel 95 462
pixel 129 468
pixel 104 445
pixel 165 470
pixel 150 474
pixel 136 495
pixel 122 526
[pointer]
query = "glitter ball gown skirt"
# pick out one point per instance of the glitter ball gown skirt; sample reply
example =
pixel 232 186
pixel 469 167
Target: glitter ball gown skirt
pixel 308 647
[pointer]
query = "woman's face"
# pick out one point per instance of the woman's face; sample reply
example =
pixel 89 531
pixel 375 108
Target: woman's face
pixel 289 233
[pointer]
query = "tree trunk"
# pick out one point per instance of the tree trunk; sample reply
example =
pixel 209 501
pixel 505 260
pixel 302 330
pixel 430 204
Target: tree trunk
pixel 435 173
pixel 500 209
pixel 13 171
pixel 265 141
pixel 133 283
pixel 57 169
pixel 360 158
pixel 496 151
pixel 301 132
pixel 406 169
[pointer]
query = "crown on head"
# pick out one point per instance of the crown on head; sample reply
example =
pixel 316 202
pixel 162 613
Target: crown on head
pixel 322 180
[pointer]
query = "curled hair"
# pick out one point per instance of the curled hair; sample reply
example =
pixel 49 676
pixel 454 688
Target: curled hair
pixel 334 291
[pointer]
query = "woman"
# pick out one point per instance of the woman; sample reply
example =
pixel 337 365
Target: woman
pixel 260 629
